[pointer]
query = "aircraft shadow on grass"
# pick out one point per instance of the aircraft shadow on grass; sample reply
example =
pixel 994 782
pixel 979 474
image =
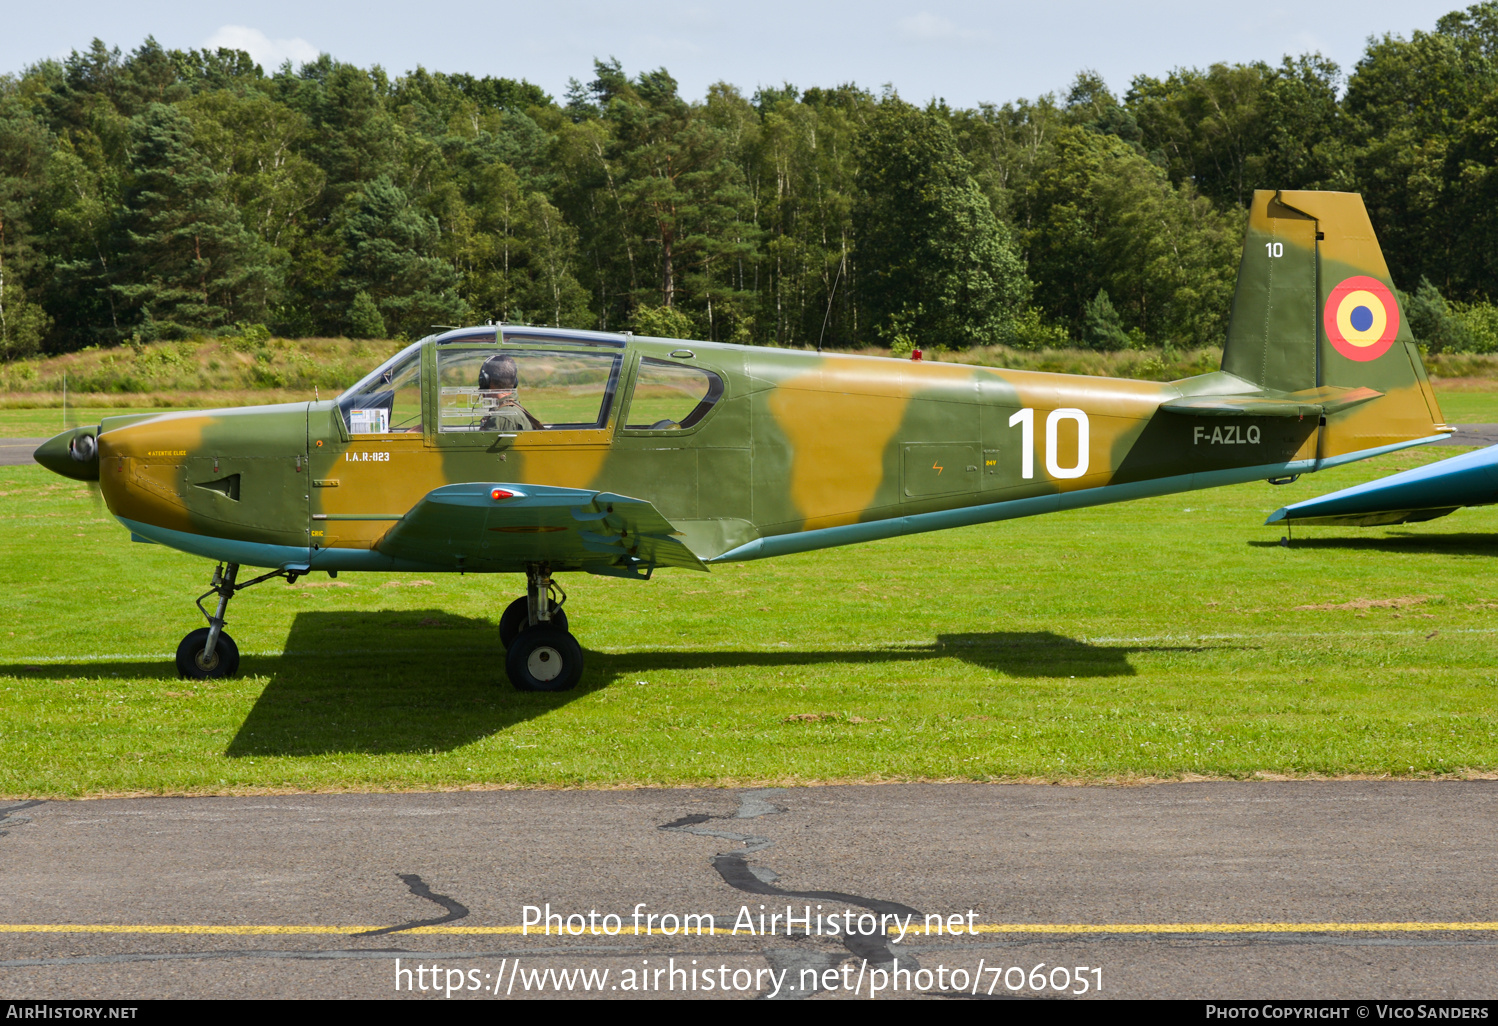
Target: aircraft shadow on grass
pixel 409 681
pixel 325 696
pixel 1465 544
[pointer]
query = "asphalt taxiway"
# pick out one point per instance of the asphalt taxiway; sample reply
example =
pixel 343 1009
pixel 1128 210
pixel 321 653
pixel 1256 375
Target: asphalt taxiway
pixel 1471 434
pixel 1358 889
pixel 16 452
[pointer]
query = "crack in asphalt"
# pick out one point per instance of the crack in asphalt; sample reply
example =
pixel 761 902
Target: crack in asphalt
pixel 7 819
pixel 737 873
pixel 455 910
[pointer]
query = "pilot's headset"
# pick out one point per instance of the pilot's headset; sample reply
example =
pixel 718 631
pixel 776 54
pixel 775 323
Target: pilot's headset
pixel 498 373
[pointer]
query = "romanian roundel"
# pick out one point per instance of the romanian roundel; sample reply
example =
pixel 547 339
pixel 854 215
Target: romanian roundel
pixel 1361 318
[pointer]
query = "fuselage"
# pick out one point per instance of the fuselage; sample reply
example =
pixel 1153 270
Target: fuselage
pixel 747 451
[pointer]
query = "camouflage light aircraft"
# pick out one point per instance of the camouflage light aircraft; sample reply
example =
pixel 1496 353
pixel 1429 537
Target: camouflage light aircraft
pixel 543 451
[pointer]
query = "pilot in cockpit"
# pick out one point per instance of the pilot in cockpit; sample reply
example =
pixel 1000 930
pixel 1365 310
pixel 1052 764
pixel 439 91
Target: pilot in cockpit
pixel 498 386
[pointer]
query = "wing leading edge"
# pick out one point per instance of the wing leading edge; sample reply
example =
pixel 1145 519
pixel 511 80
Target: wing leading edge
pixel 1409 497
pixel 500 526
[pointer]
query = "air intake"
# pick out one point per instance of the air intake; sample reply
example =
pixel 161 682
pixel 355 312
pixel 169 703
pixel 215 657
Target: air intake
pixel 225 486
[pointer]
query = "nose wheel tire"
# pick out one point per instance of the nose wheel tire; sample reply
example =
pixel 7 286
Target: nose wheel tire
pixel 544 659
pixel 512 621
pixel 223 662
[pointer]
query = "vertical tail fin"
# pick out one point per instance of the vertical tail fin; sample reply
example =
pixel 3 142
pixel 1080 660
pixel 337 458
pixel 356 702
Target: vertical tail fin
pixel 1315 309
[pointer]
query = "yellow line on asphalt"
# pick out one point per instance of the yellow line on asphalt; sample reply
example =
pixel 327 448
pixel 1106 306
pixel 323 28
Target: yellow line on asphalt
pixel 172 928
pixel 1225 927
pixel 978 928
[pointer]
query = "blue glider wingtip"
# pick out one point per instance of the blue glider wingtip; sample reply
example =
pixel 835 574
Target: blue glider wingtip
pixel 1278 515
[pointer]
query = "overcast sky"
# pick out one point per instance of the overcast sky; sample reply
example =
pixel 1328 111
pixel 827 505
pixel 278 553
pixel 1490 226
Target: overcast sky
pixel 964 52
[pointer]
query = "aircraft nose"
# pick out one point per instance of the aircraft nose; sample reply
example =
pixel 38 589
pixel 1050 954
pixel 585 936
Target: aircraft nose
pixel 73 453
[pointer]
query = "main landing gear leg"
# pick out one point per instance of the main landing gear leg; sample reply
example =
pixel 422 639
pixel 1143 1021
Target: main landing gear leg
pixel 542 655
pixel 524 612
pixel 208 653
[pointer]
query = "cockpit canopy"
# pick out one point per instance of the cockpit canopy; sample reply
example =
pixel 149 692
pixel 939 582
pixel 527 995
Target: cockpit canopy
pixel 532 381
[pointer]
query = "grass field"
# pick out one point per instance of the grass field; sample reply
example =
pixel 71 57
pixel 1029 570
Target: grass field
pixel 1164 638
pixel 1477 403
pixel 42 423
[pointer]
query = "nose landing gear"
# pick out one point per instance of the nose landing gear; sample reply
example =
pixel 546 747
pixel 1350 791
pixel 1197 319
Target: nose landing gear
pixel 540 653
pixel 208 653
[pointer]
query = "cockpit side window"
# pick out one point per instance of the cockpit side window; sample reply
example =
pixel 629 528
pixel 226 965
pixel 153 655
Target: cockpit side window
pixel 513 390
pixel 388 399
pixel 671 396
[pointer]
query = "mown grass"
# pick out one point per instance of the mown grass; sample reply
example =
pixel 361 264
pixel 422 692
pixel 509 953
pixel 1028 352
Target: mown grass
pixel 1155 639
pixel 160 372
pixel 1468 400
pixel 205 365
pixel 22 416
pixel 43 423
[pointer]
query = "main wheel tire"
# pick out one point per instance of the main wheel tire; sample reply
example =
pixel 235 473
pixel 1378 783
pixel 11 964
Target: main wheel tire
pixel 544 659
pixel 223 663
pixel 514 618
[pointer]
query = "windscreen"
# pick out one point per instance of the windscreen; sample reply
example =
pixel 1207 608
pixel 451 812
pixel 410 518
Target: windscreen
pixel 388 399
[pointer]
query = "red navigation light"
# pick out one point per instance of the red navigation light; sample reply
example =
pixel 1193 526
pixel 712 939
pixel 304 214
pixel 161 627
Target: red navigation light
pixel 500 493
pixel 915 354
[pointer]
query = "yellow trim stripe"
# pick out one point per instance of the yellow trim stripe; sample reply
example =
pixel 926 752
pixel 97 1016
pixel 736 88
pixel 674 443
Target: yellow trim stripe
pixel 979 928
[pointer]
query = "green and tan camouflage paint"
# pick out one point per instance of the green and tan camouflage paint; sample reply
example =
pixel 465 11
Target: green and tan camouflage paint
pixel 799 444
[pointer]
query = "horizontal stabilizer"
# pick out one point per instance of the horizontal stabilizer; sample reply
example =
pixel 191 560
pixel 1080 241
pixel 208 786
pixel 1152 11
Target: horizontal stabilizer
pixel 567 528
pixel 1414 495
pixel 1312 402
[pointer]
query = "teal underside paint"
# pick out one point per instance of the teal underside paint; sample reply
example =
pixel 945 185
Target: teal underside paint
pixel 827 537
pixel 292 556
pixel 275 556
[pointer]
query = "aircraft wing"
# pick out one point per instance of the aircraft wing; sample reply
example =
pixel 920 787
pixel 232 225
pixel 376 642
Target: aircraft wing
pixel 485 526
pixel 1409 497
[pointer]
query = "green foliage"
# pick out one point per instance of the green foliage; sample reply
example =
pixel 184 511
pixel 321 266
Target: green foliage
pixel 23 324
pixel 663 322
pixel 1102 327
pixel 1235 128
pixel 517 249
pixel 1103 218
pixel 662 194
pixel 898 332
pixel 1435 327
pixel 364 319
pixel 1480 320
pixel 252 334
pixel 165 194
pixel 1031 331
pixel 938 266
pixel 386 237
pixel 189 263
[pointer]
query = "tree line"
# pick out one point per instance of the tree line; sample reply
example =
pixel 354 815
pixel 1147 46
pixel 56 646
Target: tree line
pixel 162 194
